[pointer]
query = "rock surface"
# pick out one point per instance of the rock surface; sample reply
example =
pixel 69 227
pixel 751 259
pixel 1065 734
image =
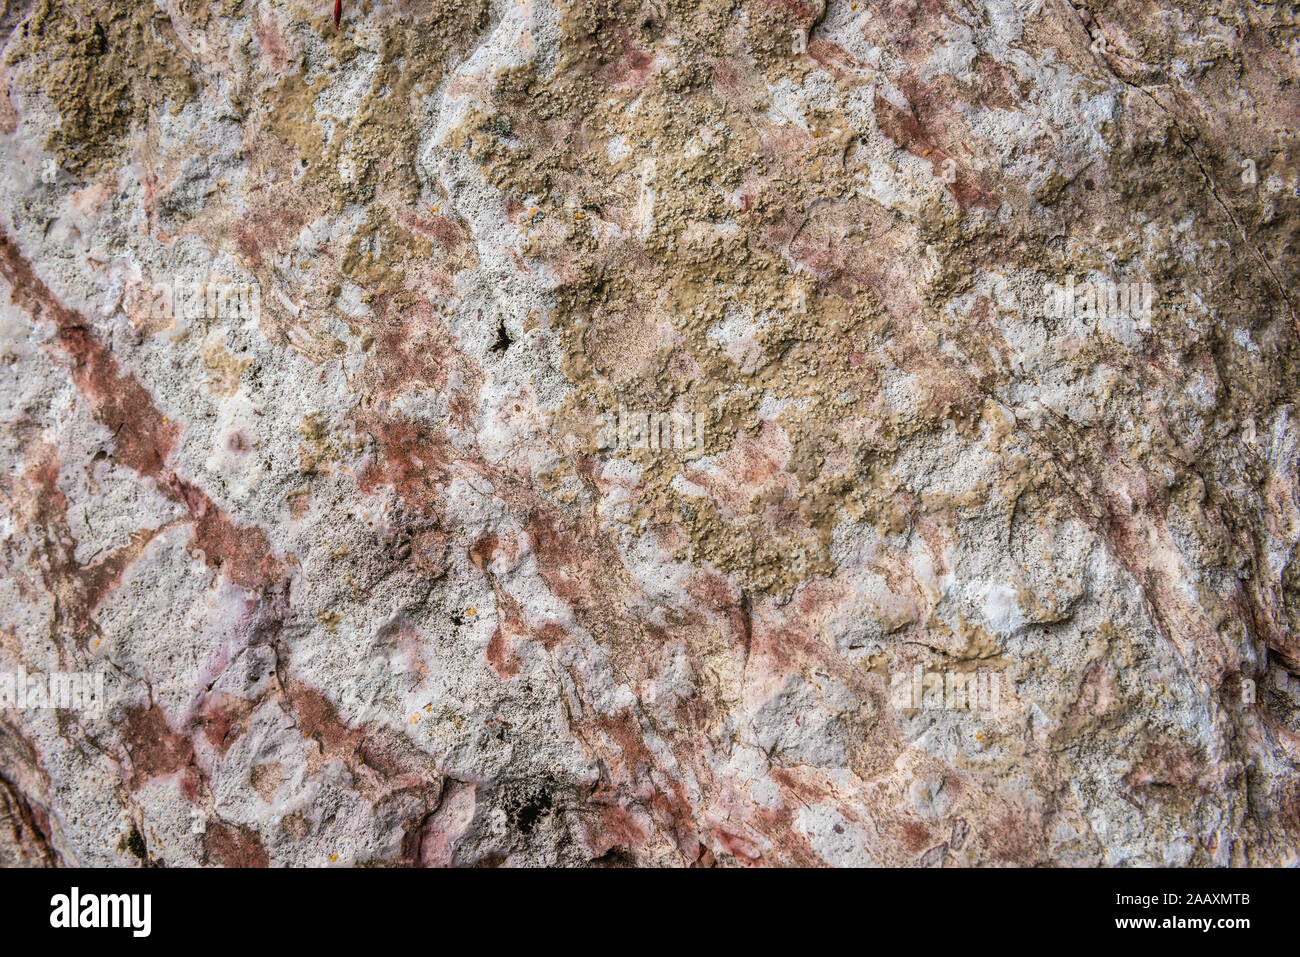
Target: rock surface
pixel 967 333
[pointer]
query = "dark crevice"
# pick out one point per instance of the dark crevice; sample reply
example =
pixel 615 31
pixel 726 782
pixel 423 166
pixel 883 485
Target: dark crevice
pixel 503 338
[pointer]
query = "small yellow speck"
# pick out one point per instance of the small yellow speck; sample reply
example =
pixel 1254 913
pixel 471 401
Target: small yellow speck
pixel 473 611
pixel 333 858
pixel 578 216
pixel 415 719
pixel 95 644
pixel 428 707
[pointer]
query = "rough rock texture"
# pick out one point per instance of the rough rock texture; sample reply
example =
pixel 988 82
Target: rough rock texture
pixel 368 580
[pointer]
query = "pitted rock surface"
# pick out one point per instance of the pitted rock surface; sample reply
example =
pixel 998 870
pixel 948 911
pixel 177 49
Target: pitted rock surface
pixel 651 432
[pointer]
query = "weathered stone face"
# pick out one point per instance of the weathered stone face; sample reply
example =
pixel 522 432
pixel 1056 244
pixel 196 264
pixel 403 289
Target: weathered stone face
pixel 664 432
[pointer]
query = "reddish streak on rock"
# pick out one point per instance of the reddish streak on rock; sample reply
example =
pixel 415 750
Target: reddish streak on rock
pixel 412 461
pixel 222 714
pixel 791 847
pixel 234 846
pixel 834 59
pixel 1009 838
pixel 916 836
pixel 272 216
pixel 501 656
pixel 484 550
pixel 569 556
pixel 142 438
pixel 728 81
pixel 719 595
pixel 804 791
pixel 671 806
pixel 389 763
pixel 448 234
pixel 1173 765
pixel 736 846
pixel 241 552
pixel 156 750
pixel 615 829
pixel 510 618
pixel 80 588
pixel 630 70
pixel 320 720
pixel 906 130
pixel 271 42
pixel 410 351
pixel 551 635
pixel 100 578
pixel 630 66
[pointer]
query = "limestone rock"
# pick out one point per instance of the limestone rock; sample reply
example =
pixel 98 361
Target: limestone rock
pixel 553 432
